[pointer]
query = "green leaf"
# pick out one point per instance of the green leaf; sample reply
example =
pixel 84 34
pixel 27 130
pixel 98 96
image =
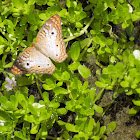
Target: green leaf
pixel 136 102
pixel 63 12
pixel 84 42
pixel 4 117
pixel 131 60
pixel 110 4
pixel 85 72
pixel 18 3
pixel 111 127
pixel 129 92
pixel 119 69
pixel 88 7
pixel 22 81
pixel 134 110
pixel 19 134
pixel 41 2
pixel 85 85
pixel 91 124
pixel 108 50
pixel 86 111
pixel 75 50
pixel 98 108
pixel 48 87
pixel 59 90
pixel 124 84
pixel 29 118
pixel 24 90
pixel 3 129
pixel 14 102
pixel 68 3
pixel 109 42
pixel 138 134
pixel 61 111
pixel 102 130
pixel 95 137
pixel 115 48
pixel 43 131
pixel 33 108
pixel 34 128
pixel 0 5
pixel 70 105
pixel 66 135
pixel 2 40
pixel 79 25
pixel 65 76
pixel 54 104
pixel 137 89
pixel 100 84
pixel 1 49
pixel 9 65
pixel 49 84
pixel 99 39
pixel 3 100
pixel 61 123
pixel 31 99
pixel 126 54
pixel 92 93
pixel 34 19
pixel 21 99
pixel 44 114
pixel 33 27
pixel 43 16
pixel 74 66
pixel 31 2
pixel 46 97
pixel 71 127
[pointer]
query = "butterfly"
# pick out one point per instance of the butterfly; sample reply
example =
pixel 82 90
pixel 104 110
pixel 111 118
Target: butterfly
pixel 49 44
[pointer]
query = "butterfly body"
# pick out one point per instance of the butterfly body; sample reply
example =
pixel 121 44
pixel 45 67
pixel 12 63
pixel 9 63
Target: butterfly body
pixel 49 44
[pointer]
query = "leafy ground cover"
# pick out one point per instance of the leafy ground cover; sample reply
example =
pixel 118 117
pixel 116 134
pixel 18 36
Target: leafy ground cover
pixel 94 94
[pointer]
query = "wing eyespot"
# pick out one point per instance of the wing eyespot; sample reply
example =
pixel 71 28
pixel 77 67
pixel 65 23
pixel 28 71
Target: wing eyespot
pixel 28 64
pixel 52 33
pixel 38 66
pixel 56 45
pixel 48 64
pixel 56 54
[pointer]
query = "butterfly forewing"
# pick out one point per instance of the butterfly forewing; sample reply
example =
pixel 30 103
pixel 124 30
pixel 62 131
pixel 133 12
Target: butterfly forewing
pixel 49 40
pixel 53 22
pixel 32 61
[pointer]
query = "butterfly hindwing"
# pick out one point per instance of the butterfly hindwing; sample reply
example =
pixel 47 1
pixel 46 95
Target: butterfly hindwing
pixel 32 61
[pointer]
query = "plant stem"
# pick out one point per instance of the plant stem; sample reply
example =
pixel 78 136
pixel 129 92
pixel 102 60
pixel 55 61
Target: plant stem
pixel 53 138
pixel 99 95
pixel 106 110
pixel 81 32
pixel 85 49
pixel 38 86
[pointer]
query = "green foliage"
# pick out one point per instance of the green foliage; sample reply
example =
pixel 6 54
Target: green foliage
pixel 89 29
pixel 138 134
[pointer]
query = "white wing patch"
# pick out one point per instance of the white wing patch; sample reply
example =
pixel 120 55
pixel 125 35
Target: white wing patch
pixel 51 33
pixel 48 43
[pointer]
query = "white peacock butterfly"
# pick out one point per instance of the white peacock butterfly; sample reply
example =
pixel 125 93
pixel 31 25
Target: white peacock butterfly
pixel 49 43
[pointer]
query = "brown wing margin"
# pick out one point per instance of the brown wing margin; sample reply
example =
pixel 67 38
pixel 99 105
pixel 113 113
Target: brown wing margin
pixel 55 22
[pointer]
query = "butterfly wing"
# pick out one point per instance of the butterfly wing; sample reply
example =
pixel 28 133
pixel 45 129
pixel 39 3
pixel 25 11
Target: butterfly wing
pixel 49 40
pixel 32 61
